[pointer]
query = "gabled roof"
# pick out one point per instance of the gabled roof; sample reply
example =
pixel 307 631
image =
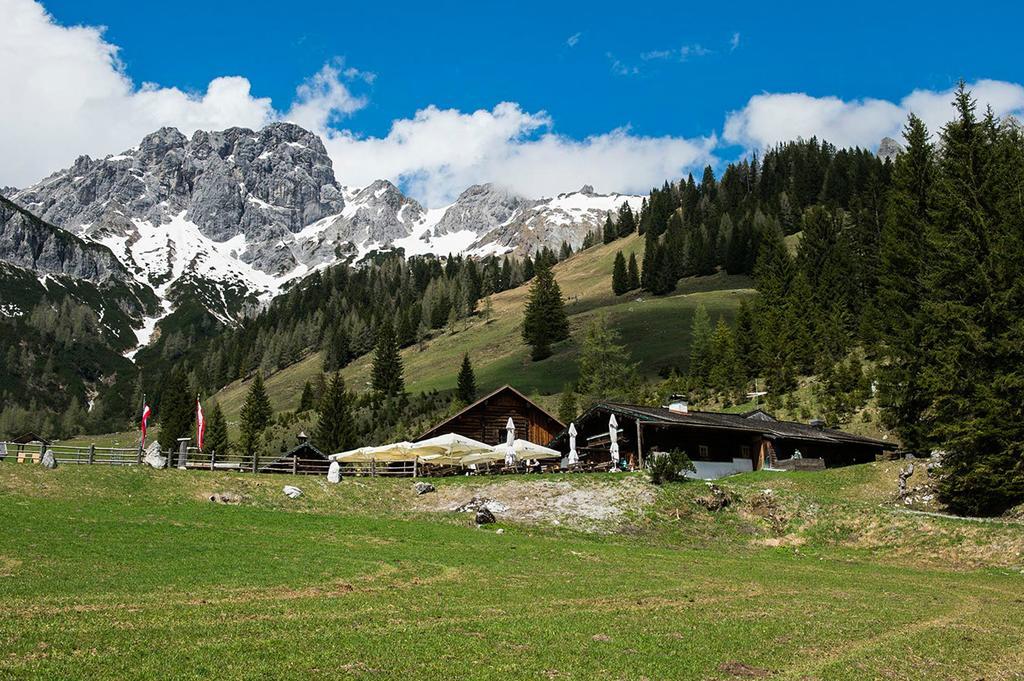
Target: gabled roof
pixel 754 422
pixel 504 388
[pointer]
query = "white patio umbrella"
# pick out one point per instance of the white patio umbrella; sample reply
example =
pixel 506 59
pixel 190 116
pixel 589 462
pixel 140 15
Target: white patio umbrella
pixel 519 448
pixel 396 451
pixel 448 449
pixel 510 437
pixel 574 457
pixel 613 433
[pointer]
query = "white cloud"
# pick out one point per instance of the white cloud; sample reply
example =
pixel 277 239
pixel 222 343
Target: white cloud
pixel 510 146
pixel 619 68
pixel 66 94
pixel 771 118
pixel 734 41
pixel 324 99
pixel 574 39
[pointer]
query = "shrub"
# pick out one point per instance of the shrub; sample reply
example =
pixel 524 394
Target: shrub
pixel 670 467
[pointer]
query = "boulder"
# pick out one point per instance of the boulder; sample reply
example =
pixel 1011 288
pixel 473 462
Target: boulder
pixel 153 457
pixel 334 473
pixel 3 451
pixel 484 517
pixel 716 499
pixel 49 460
pixel 292 492
pixel 424 488
pixel 226 498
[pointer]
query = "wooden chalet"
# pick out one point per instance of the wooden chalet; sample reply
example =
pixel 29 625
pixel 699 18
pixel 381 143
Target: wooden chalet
pixel 717 443
pixel 485 419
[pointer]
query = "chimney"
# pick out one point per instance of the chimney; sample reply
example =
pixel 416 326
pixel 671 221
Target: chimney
pixel 678 404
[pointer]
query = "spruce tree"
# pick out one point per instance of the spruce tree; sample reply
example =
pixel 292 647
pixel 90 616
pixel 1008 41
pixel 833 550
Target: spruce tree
pixel 217 433
pixel 466 389
pixel 610 232
pixel 545 321
pixel 620 278
pixel 726 372
pixel 626 223
pixel 700 344
pixel 567 405
pixel 335 430
pixel 307 401
pixel 176 408
pixel 386 378
pixel 632 273
pixel 254 417
pixel 337 350
pixel 606 371
pixel 901 288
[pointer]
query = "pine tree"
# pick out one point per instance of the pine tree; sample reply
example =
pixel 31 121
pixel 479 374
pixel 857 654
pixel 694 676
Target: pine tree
pixel 567 405
pixel 610 232
pixel 545 321
pixel 387 368
pixel 620 278
pixel 606 371
pixel 255 417
pixel 306 401
pixel 626 223
pixel 726 372
pixel 176 411
pixel 700 344
pixel 335 431
pixel 337 350
pixel 901 289
pixel 466 389
pixel 217 433
pixel 647 276
pixel 632 273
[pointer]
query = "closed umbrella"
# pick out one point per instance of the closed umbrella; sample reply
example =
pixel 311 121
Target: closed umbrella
pixel 613 433
pixel 574 457
pixel 510 436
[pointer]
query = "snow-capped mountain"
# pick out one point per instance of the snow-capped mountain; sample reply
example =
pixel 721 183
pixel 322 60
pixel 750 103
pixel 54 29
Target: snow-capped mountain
pixel 228 218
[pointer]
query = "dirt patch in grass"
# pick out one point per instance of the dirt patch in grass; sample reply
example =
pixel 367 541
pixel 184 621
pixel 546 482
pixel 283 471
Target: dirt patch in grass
pixel 8 566
pixel 594 507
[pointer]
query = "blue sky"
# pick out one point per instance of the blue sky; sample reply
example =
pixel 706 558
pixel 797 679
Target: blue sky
pixel 667 72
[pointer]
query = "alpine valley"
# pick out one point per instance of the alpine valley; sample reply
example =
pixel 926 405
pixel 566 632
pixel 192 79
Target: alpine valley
pixel 140 254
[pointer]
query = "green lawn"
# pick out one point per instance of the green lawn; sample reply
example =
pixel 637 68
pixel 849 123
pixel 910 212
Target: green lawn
pixel 132 573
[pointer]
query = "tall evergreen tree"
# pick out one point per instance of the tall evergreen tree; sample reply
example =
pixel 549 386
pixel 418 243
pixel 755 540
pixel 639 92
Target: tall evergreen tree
pixel 255 417
pixel 176 411
pixel 901 290
pixel 567 405
pixel 386 378
pixel 335 431
pixel 337 350
pixel 545 321
pixel 466 388
pixel 217 433
pixel 632 273
pixel 701 359
pixel 606 371
pixel 726 372
pixel 610 232
pixel 306 401
pixel 626 223
pixel 620 278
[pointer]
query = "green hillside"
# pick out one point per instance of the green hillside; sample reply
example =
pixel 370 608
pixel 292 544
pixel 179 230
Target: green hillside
pixel 656 329
pixel 144 577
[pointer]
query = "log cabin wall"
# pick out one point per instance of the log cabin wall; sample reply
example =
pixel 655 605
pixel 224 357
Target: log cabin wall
pixel 485 420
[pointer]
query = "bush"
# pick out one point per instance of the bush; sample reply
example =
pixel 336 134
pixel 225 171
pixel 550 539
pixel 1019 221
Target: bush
pixel 670 467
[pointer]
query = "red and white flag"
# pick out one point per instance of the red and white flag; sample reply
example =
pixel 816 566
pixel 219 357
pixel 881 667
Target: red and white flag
pixel 200 425
pixel 145 419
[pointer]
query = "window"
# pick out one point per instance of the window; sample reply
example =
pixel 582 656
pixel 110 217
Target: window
pixel 702 451
pixel 745 451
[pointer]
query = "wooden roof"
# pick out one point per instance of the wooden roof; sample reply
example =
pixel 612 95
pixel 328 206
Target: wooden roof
pixel 756 421
pixel 505 388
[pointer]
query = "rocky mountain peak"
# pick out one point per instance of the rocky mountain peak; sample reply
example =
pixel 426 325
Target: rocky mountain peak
pixel 889 149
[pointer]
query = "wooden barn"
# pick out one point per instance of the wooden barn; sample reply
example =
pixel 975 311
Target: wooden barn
pixel 485 419
pixel 717 443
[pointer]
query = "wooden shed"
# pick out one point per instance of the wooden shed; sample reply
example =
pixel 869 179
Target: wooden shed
pixel 485 419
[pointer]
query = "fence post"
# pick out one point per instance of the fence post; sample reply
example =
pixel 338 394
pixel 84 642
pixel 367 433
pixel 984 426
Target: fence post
pixel 92 454
pixel 255 458
pixel 414 461
pixel 213 458
pixel 138 454
pixel 295 465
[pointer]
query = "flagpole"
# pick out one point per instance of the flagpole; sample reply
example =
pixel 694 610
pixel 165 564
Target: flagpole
pixel 142 438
